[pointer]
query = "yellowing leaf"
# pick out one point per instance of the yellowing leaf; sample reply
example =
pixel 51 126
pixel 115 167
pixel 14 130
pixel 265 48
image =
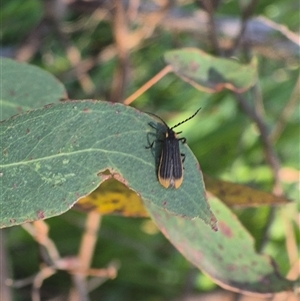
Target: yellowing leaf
pixel 113 197
pixel 234 194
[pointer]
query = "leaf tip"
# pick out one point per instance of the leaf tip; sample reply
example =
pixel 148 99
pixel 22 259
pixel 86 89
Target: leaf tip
pixel 214 223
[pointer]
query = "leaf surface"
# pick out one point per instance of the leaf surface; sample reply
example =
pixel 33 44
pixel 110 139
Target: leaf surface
pixel 53 156
pixel 24 87
pixel 228 256
pixel 211 74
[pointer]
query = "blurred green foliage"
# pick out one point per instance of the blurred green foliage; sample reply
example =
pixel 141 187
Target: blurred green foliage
pixel 223 138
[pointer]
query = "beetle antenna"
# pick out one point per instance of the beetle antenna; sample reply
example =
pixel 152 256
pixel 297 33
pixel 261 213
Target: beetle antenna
pixel 158 118
pixel 186 119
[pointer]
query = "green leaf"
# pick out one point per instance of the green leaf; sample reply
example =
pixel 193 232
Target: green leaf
pixel 53 156
pixel 228 256
pixel 209 73
pixel 24 87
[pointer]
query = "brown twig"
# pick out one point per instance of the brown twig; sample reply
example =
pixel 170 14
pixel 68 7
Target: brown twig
pixel 283 29
pixel 148 84
pixel 293 274
pixel 246 15
pixel 89 240
pixel 287 111
pixel 290 236
pixel 5 290
pixel 85 256
pixel 72 52
pixel 121 36
pixel 79 292
pixel 39 231
pixel 38 280
pixel 209 7
pixel 32 42
pixel 270 155
pixel 78 267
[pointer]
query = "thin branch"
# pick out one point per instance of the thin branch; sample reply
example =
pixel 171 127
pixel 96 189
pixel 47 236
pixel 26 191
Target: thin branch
pixel 212 31
pixel 293 274
pixel 89 240
pixel 246 15
pixel 290 235
pixel 148 85
pixel 5 290
pixel 271 159
pixel 38 280
pixel 121 36
pixel 85 256
pixel 79 292
pixel 265 231
pixel 39 231
pixel 287 111
pixel 283 29
pixel 99 276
